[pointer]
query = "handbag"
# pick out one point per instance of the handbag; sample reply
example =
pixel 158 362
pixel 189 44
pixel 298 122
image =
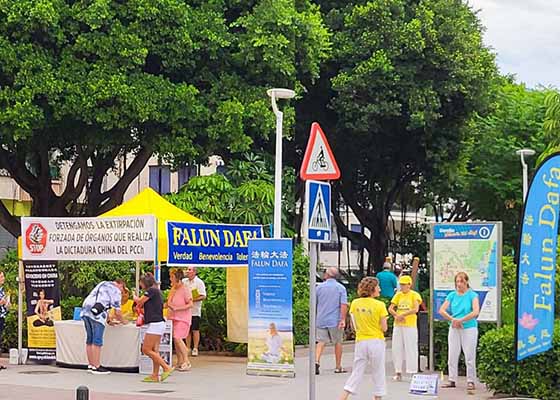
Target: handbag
pixel 98 308
pixel 140 318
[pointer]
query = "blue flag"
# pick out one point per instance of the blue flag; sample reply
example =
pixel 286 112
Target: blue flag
pixel 536 264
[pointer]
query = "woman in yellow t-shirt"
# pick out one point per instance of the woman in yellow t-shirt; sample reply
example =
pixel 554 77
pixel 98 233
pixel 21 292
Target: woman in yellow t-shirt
pixel 404 307
pixel 369 318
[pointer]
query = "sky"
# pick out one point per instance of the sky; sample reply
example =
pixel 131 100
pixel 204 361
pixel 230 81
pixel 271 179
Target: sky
pixel 525 34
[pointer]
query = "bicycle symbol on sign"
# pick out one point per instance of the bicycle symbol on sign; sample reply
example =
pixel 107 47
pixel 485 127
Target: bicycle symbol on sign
pixel 320 162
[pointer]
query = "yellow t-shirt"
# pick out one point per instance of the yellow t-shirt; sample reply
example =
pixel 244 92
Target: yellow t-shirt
pixel 366 314
pixel 406 302
pixel 127 311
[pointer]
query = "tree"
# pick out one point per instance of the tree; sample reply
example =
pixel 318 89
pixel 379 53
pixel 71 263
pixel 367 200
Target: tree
pixel 487 179
pixel 82 83
pixel 404 78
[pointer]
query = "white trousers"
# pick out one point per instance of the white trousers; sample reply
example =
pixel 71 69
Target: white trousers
pixel 465 339
pixel 366 352
pixel 405 348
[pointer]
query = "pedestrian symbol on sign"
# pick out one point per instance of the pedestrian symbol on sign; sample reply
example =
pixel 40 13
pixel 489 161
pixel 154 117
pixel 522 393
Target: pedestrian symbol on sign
pixel 319 216
pixel 318 211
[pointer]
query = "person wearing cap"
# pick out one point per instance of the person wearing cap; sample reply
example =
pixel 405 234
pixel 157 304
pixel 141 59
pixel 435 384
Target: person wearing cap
pixel 404 307
pixel 387 281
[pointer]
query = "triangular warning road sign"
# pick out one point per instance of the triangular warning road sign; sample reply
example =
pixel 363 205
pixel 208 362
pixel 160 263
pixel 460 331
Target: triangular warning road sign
pixel 318 161
pixel 319 215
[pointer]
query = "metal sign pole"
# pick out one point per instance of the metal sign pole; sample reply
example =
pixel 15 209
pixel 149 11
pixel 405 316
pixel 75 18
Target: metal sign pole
pixel 313 261
pixel 431 313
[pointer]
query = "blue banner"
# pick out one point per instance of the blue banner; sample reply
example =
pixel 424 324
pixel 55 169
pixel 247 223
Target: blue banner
pixel 270 337
pixel 209 245
pixel 463 231
pixel 536 264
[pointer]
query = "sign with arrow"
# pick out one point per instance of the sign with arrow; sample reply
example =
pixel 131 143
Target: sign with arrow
pixel 318 206
pixel 318 162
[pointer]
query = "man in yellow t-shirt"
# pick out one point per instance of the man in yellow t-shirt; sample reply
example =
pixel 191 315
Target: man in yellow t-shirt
pixel 404 307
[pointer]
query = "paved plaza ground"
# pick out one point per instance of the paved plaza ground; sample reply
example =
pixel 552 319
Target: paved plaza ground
pixel 212 378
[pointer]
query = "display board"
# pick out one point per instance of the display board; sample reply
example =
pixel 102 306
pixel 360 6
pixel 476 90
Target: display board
pixel 89 239
pixel 165 348
pixel 474 248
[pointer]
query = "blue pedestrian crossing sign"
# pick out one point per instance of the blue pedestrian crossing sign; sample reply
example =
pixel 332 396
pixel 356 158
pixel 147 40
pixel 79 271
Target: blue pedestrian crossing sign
pixel 318 207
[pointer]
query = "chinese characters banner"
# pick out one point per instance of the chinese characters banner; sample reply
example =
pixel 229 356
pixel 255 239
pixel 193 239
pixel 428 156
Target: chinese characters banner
pixel 42 289
pixel 270 337
pixel 537 261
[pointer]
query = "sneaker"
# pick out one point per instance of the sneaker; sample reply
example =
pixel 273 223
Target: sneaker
pixel 89 368
pixel 100 371
pixel 194 352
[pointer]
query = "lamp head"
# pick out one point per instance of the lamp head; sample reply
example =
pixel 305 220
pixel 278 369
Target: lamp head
pixel 525 152
pixel 281 93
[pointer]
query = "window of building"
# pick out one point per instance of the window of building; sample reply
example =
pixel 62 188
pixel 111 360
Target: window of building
pixel 186 173
pixel 355 228
pixel 160 178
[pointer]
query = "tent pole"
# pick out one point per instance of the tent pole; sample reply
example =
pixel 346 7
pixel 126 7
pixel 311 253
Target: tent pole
pixel 20 309
pixel 137 280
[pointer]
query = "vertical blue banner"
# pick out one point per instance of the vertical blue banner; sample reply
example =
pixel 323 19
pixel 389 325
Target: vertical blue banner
pixel 270 337
pixel 536 264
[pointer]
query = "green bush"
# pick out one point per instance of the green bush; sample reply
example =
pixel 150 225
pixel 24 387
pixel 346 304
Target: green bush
pixel 536 376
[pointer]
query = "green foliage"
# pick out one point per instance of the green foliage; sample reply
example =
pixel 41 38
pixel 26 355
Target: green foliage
pixel 86 82
pixel 537 376
pixel 487 175
pixel 404 78
pixel 245 195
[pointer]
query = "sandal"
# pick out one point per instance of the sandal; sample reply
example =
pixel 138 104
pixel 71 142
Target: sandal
pixel 185 367
pixel 150 379
pixel 167 374
pixel 340 371
pixel 448 385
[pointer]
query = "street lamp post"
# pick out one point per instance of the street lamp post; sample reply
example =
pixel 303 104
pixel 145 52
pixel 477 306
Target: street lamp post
pixel 278 94
pixel 525 153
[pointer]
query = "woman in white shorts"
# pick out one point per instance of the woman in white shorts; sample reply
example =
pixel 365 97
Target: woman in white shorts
pixel 152 301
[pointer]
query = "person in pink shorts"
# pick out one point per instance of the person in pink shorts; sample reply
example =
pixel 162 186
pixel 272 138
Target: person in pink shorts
pixel 179 304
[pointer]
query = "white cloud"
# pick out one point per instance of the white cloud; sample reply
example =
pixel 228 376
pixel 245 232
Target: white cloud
pixel 525 36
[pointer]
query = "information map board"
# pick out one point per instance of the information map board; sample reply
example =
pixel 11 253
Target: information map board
pixel 474 248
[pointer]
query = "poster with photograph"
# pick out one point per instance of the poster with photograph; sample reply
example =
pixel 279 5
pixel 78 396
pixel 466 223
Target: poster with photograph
pixel 271 343
pixel 165 348
pixel 42 288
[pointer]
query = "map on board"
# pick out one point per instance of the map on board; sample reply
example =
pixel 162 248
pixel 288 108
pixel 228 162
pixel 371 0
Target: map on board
pixel 478 258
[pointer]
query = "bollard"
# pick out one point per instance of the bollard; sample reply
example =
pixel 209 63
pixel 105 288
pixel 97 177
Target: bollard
pixel 82 393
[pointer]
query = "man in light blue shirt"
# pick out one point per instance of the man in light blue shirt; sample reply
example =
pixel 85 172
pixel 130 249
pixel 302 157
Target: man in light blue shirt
pixel 332 306
pixel 387 281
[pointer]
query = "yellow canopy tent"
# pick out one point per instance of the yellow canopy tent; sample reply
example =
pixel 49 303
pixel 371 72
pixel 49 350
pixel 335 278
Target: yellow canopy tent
pixel 148 202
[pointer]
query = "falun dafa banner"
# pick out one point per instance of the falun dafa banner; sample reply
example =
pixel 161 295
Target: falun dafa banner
pixel 536 264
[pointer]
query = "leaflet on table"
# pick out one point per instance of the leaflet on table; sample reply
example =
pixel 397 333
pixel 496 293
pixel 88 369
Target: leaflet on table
pixel 165 348
pixel 270 338
pixel 42 289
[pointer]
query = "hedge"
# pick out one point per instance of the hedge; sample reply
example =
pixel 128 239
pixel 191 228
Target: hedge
pixel 537 376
